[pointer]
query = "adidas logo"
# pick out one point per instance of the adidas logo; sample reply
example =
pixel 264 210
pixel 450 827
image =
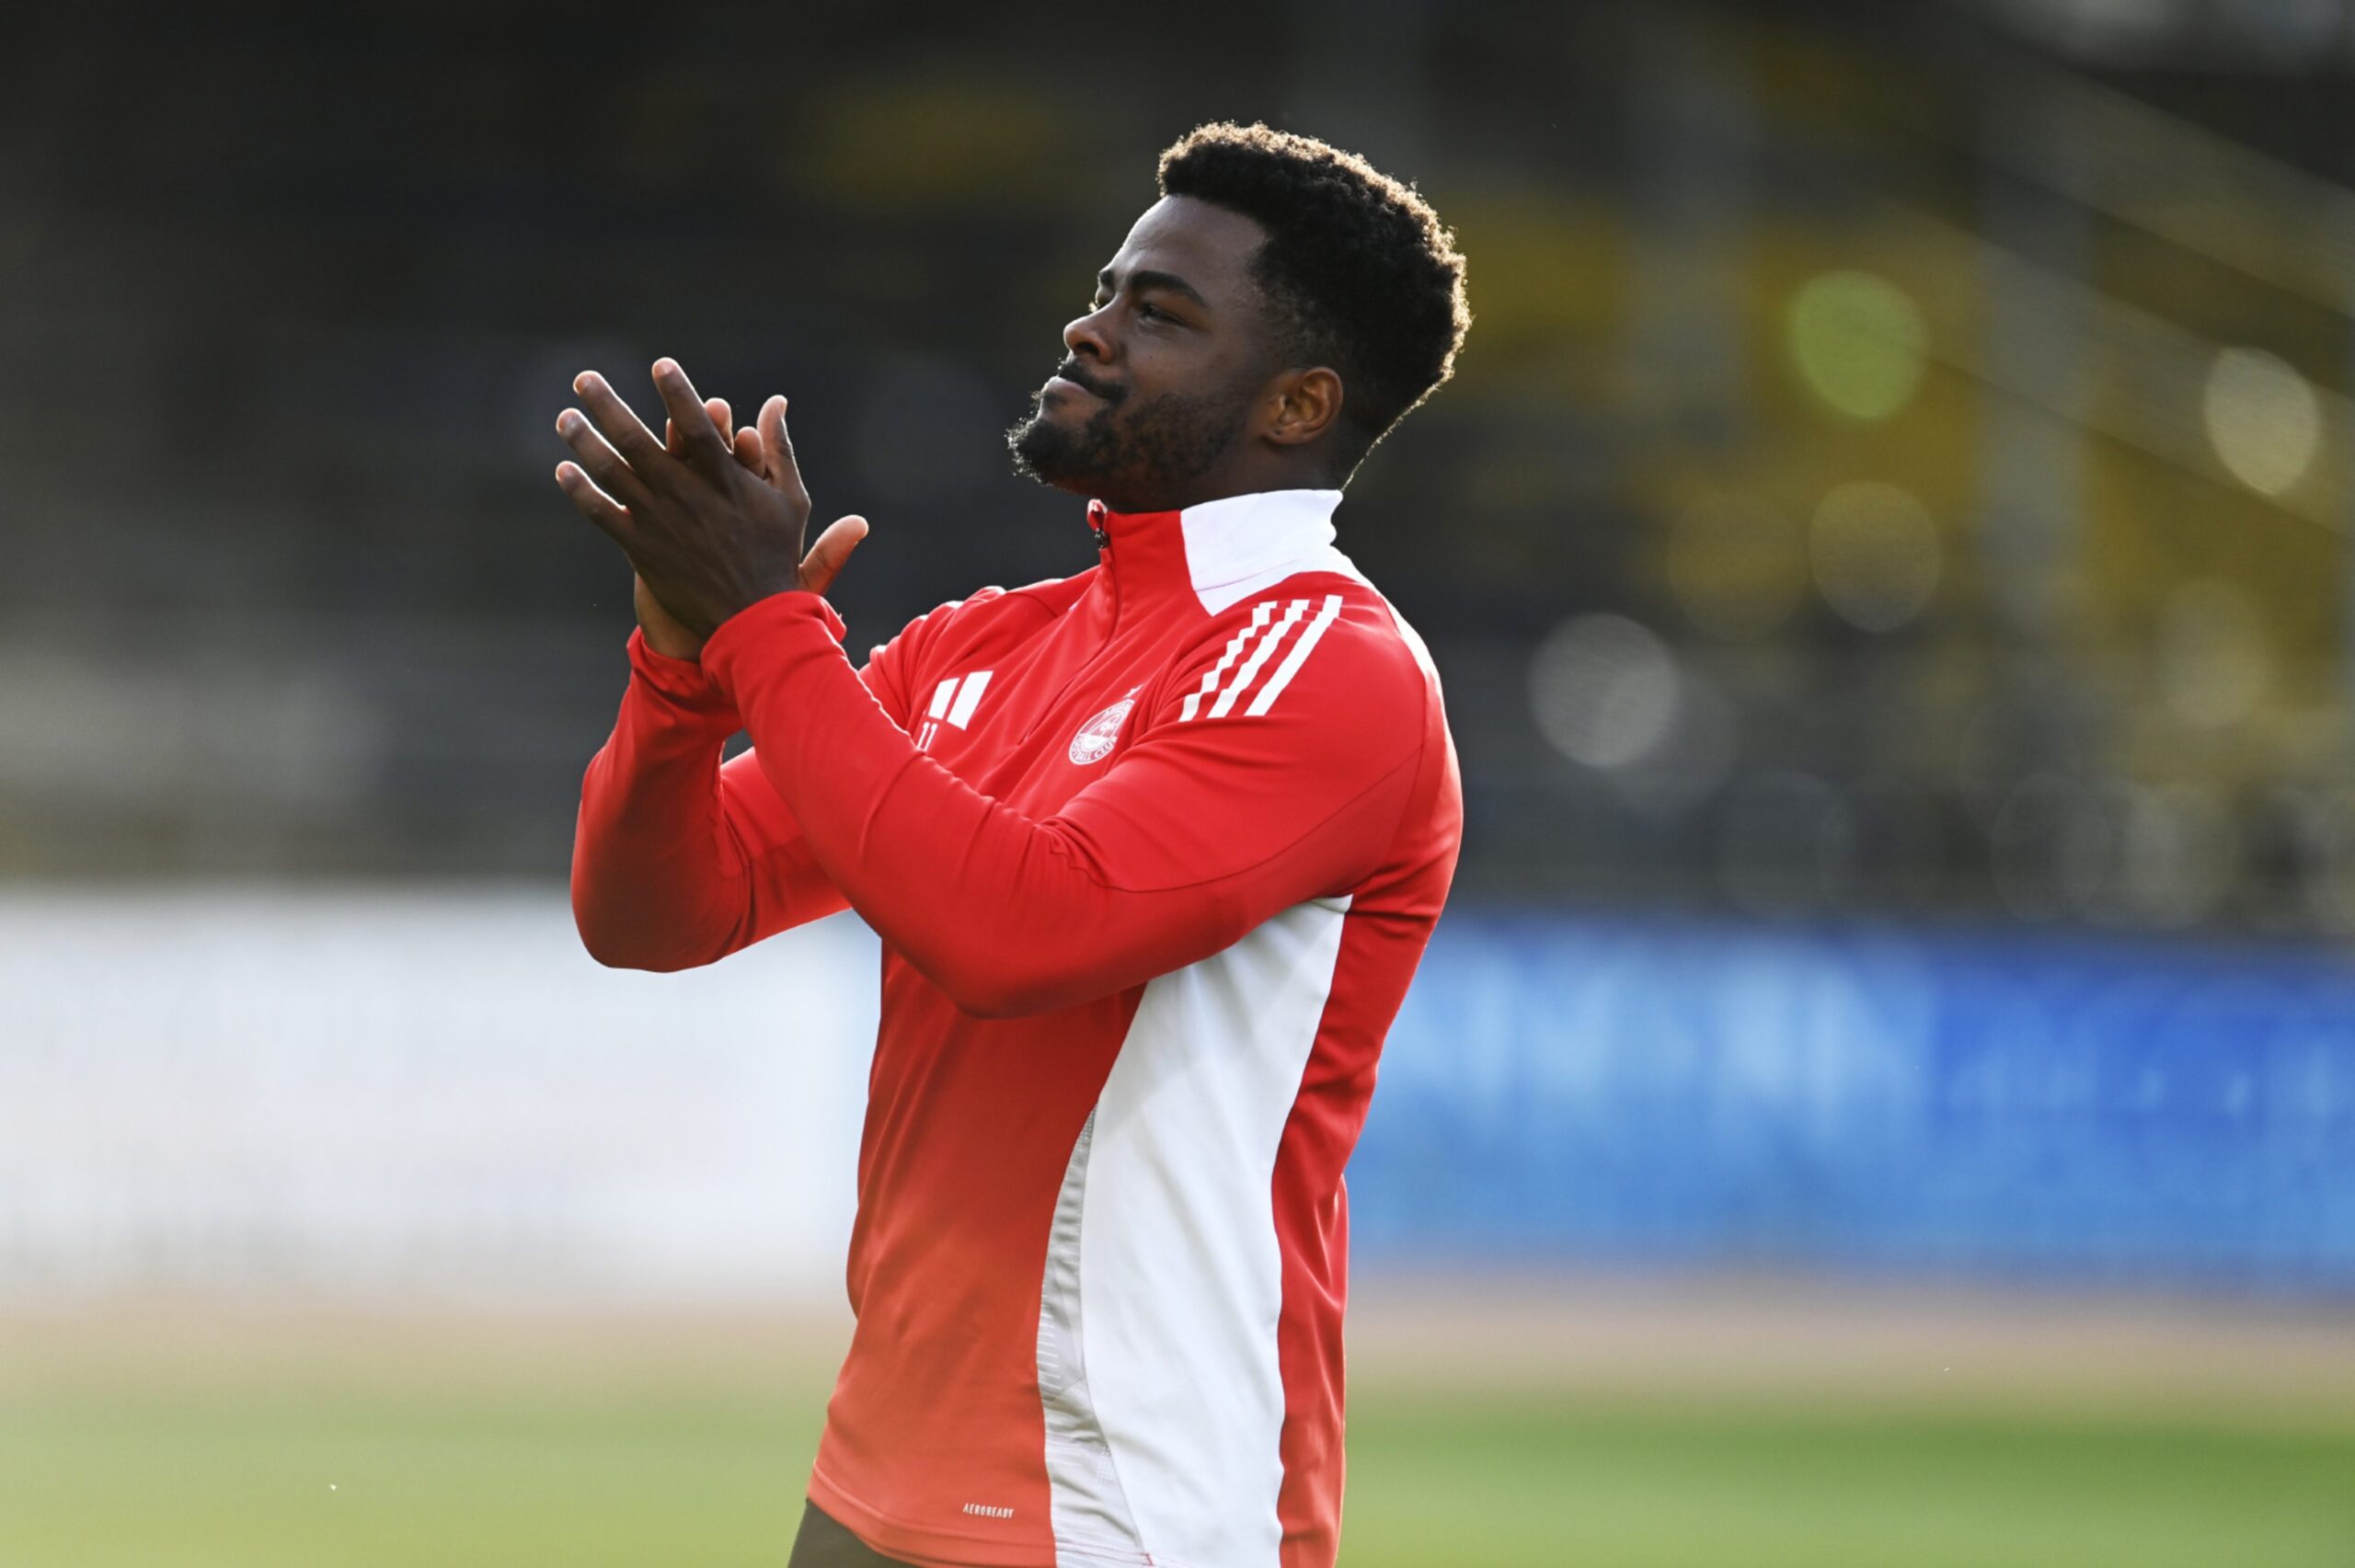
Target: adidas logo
pixel 953 702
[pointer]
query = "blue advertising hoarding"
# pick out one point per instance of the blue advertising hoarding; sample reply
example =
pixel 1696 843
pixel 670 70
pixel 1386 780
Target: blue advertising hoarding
pixel 1612 1091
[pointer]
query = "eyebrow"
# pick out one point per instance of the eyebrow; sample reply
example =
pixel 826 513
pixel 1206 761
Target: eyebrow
pixel 1168 281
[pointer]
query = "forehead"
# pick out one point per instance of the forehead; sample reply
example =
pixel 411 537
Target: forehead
pixel 1209 247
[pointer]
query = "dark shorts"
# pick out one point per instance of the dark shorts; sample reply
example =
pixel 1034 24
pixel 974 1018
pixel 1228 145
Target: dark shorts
pixel 824 1543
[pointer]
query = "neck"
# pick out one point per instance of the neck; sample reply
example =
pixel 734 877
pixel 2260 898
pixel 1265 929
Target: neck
pixel 1221 482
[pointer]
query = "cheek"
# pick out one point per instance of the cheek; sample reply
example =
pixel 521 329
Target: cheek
pixel 1158 368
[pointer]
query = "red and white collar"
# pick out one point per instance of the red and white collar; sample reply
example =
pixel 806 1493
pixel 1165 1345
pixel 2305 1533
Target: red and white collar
pixel 1221 551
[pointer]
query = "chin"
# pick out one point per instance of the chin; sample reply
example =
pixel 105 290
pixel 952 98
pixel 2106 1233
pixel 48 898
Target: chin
pixel 1054 453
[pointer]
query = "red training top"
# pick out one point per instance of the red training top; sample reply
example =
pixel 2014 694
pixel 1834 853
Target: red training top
pixel 1153 851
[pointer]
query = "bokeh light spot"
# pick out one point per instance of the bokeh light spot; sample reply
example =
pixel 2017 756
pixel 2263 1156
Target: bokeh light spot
pixel 1876 554
pixel 2263 419
pixel 1858 342
pixel 1603 690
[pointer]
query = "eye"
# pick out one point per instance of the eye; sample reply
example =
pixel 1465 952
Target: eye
pixel 1154 313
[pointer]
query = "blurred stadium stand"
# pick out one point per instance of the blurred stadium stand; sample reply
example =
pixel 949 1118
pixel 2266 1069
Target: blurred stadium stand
pixel 1896 468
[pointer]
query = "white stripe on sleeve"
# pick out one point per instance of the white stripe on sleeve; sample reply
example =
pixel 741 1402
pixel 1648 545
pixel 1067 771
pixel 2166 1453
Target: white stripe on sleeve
pixel 1259 656
pixel 1260 614
pixel 1293 660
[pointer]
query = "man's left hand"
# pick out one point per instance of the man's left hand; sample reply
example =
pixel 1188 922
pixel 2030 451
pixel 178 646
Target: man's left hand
pixel 711 526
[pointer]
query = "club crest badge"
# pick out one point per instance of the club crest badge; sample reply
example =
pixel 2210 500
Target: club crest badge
pixel 1098 736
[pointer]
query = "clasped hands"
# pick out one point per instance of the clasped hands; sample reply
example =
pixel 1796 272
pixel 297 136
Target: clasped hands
pixel 712 518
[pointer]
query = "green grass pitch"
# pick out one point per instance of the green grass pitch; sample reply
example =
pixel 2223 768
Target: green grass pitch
pixel 432 1474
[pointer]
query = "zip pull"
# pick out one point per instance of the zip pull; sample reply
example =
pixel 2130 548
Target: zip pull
pixel 1096 511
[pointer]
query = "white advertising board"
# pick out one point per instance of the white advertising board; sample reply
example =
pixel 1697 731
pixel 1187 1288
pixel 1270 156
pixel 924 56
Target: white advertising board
pixel 422 1094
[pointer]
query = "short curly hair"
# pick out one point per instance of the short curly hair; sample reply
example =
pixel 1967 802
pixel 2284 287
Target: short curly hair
pixel 1358 272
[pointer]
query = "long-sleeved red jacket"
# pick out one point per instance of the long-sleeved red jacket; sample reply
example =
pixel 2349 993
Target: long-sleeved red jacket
pixel 1154 851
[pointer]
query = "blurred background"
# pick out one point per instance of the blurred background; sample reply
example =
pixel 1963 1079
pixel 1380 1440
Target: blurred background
pixel 1884 1091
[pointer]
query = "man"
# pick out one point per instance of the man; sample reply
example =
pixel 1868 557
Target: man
pixel 1153 851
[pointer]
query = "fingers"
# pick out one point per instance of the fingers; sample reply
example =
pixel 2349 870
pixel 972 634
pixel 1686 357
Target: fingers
pixel 832 553
pixel 783 471
pixel 723 418
pixel 614 419
pixel 601 461
pixel 699 439
pixel 594 503
pixel 754 453
pixel 746 443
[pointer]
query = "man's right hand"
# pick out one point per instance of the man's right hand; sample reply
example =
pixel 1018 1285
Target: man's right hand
pixel 664 635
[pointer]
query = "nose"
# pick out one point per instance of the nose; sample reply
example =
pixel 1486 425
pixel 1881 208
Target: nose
pixel 1086 336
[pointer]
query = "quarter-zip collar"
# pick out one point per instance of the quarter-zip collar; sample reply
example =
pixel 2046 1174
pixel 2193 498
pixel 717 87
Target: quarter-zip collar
pixel 1215 553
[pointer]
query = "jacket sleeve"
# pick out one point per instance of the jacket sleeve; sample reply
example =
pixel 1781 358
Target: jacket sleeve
pixel 679 860
pixel 1208 823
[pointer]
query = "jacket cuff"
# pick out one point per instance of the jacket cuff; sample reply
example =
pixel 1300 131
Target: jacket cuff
pixel 679 684
pixel 767 637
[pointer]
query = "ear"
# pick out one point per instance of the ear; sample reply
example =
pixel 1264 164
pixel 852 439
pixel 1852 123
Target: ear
pixel 1304 405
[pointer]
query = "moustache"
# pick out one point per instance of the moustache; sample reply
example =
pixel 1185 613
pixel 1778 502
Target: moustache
pixel 1070 370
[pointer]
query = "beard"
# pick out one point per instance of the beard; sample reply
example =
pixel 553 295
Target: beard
pixel 1131 458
